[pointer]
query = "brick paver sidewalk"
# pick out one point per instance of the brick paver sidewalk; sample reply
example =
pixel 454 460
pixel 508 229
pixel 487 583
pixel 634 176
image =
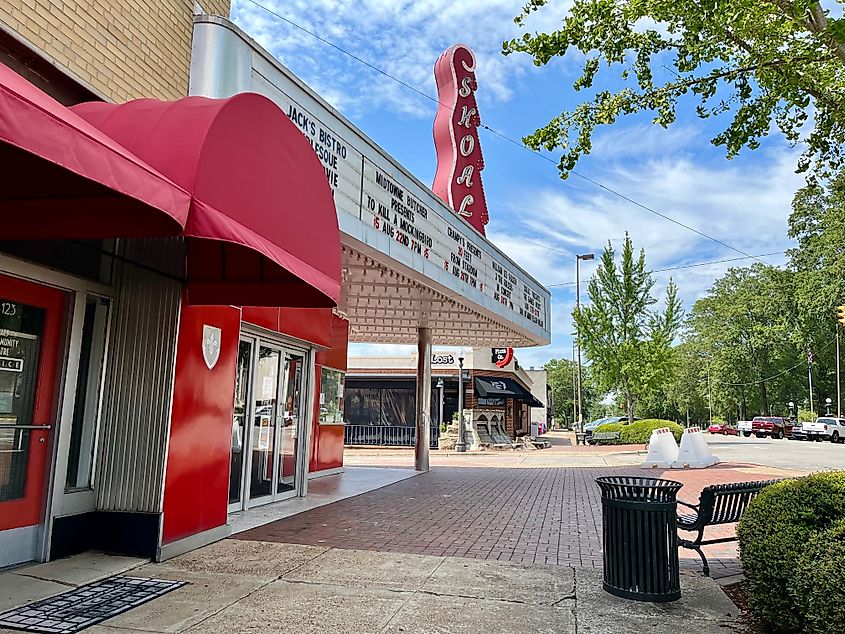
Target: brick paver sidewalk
pixel 547 516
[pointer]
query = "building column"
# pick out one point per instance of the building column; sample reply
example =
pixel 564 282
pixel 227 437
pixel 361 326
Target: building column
pixel 423 399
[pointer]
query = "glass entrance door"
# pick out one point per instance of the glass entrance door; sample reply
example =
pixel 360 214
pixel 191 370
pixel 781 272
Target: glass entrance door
pixel 30 326
pixel 268 427
pixel 290 424
pixel 265 415
pixel 239 449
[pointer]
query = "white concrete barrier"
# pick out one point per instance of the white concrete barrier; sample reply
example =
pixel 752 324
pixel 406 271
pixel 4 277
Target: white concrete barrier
pixel 694 452
pixel 662 450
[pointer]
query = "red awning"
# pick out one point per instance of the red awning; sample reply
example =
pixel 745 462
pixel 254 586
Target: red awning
pixel 63 178
pixel 262 229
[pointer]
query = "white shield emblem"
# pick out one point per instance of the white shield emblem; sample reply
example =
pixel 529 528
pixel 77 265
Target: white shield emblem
pixel 210 345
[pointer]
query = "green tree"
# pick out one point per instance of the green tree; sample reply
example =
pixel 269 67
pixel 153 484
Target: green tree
pixel 627 343
pixel 747 332
pixel 756 64
pixel 560 374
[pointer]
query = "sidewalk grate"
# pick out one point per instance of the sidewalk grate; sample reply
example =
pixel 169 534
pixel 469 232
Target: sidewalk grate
pixel 86 605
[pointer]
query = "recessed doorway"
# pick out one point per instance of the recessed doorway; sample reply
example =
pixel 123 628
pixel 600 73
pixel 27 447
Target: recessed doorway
pixel 268 427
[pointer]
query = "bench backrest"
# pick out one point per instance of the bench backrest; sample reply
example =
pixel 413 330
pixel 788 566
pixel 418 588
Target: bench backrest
pixel 725 503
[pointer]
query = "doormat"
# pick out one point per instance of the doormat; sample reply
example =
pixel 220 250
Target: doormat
pixel 86 605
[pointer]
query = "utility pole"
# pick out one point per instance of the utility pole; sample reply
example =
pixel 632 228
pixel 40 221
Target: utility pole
pixel 574 391
pixel 709 395
pixel 840 317
pixel 810 376
pixel 838 390
pixel 578 258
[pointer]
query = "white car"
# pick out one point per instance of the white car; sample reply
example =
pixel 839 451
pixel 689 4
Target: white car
pixel 832 429
pixel 744 427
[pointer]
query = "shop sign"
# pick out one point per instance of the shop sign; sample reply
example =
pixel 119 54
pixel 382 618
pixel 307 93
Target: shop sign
pixel 11 365
pixel 373 190
pixel 442 359
pixel 501 357
pixel 211 337
pixel 459 161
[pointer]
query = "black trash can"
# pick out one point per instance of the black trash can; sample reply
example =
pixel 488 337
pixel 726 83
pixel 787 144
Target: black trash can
pixel 640 538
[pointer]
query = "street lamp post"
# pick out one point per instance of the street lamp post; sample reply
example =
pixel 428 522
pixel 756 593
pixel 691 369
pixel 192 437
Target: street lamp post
pixel 578 258
pixel 461 445
pixel 440 387
pixel 827 403
pixel 791 405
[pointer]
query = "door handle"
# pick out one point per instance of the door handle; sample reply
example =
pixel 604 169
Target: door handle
pixel 11 426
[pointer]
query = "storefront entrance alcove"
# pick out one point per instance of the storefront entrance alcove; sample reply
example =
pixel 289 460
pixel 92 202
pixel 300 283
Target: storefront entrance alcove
pixel 269 426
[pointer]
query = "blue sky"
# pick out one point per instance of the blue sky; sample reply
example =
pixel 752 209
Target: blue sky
pixel 537 218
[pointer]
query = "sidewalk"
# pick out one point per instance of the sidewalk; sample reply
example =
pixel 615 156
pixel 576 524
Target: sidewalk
pixel 257 587
pixel 536 515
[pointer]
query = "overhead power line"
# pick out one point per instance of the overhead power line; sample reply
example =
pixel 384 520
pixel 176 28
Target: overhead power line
pixel 685 266
pixel 422 93
pixel 775 376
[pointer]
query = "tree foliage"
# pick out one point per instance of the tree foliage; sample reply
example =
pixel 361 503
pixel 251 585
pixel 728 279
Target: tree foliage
pixel 757 64
pixel 628 344
pixel 747 329
pixel 560 374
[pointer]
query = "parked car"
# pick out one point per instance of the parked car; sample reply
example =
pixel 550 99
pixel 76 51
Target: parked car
pixel 772 426
pixel 744 427
pixel 726 429
pixel 832 429
pixel 798 432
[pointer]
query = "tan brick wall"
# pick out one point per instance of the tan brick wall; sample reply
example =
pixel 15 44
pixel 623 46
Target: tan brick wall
pixel 123 49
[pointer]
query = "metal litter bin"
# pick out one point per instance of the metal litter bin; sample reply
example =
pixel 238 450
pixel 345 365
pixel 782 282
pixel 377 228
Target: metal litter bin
pixel 640 538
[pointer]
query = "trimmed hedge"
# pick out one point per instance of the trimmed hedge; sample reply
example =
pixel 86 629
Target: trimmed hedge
pixel 639 433
pixel 773 534
pixel 819 581
pixel 609 427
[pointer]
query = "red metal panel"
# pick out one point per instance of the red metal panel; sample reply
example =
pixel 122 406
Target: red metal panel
pixel 335 357
pixel 197 479
pixel 308 324
pixel 260 316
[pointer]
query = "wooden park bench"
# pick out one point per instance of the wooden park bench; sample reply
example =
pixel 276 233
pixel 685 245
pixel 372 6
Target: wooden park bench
pixel 718 504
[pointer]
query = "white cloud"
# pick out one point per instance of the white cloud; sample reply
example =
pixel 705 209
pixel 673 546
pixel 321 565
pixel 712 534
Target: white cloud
pixel 402 38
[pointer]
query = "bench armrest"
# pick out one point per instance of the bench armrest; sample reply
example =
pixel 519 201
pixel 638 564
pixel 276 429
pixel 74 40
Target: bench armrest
pixel 691 506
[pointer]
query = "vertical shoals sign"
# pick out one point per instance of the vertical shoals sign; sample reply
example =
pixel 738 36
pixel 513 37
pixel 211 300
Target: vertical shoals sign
pixel 459 162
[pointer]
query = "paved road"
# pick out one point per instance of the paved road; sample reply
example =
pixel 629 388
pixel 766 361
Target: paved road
pixel 800 456
pixel 786 454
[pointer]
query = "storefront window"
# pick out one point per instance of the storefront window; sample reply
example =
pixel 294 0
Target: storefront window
pixel 331 397
pixel 86 411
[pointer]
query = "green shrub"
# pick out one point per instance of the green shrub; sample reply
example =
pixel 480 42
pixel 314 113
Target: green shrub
pixel 819 580
pixel 773 533
pixel 638 433
pixel 609 427
pixel 806 416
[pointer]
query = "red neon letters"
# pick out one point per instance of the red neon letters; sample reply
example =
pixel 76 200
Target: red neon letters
pixel 459 161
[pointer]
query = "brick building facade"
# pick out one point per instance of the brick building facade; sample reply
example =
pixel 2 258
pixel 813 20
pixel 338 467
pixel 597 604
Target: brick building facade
pixel 117 49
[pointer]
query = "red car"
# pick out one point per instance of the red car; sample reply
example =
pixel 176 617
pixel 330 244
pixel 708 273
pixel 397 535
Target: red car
pixel 773 426
pixel 723 428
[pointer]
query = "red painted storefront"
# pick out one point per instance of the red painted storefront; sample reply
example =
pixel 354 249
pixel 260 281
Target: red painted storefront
pixel 229 229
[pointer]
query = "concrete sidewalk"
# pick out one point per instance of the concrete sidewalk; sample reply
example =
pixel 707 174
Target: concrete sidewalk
pixel 250 586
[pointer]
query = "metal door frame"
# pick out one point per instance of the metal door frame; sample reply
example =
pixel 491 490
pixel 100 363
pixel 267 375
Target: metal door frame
pixel 55 501
pixel 258 338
